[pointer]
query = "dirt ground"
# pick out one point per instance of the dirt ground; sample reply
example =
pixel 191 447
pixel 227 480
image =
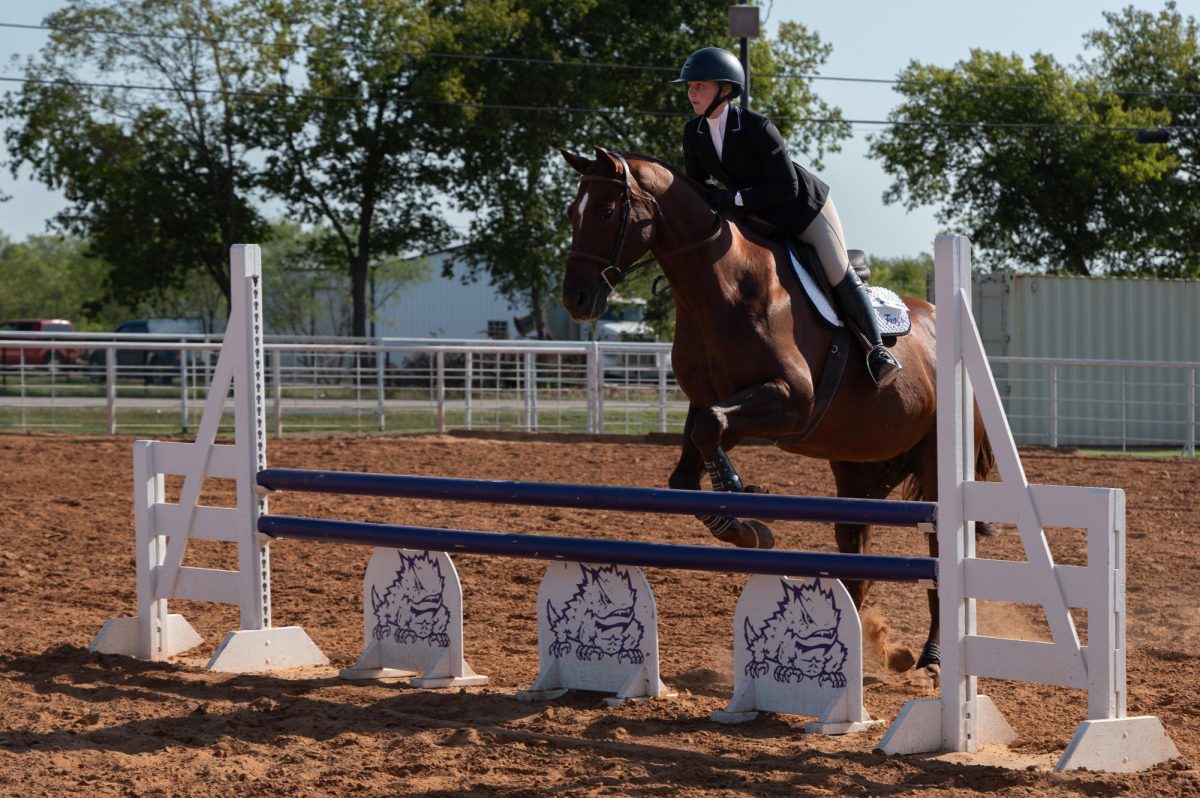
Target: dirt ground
pixel 82 723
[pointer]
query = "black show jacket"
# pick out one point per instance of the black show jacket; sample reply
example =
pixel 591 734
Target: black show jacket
pixel 754 161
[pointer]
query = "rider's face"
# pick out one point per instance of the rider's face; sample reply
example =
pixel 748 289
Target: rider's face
pixel 701 93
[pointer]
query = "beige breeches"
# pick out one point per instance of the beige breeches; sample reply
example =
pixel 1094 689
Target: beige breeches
pixel 824 234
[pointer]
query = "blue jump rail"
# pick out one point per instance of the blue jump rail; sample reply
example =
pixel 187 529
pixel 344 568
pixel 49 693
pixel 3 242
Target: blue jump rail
pixel 615 552
pixel 604 497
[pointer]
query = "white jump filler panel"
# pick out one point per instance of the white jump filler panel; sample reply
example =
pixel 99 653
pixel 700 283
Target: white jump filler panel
pixel 797 648
pixel 597 630
pixel 413 621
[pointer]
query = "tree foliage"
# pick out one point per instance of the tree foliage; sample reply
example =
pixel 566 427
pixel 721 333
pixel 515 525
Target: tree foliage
pixel 1038 166
pixel 159 183
pixel 554 89
pixel 50 277
pixel 906 275
pixel 348 130
pixel 1153 59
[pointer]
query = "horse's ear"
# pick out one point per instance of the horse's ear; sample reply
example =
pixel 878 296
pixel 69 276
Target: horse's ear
pixel 605 157
pixel 578 162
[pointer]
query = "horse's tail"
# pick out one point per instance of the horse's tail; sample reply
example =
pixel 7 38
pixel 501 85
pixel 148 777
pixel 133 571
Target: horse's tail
pixel 985 458
pixel 912 488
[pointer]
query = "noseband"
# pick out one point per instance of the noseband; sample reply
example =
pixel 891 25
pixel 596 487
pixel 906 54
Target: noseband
pixel 612 263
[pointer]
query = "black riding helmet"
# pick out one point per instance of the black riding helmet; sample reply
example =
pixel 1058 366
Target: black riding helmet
pixel 713 63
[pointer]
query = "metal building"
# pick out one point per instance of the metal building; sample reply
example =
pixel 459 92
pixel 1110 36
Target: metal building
pixel 1039 317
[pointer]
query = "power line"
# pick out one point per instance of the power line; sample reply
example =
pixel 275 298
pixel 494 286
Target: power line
pixel 568 110
pixel 259 43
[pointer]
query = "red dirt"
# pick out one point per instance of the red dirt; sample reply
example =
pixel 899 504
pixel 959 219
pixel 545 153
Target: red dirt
pixel 77 722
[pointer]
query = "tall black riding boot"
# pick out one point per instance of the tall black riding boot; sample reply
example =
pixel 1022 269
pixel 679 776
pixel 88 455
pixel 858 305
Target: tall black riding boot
pixel 855 303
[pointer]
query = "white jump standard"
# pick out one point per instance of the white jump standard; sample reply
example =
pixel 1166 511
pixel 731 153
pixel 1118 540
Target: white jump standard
pixel 410 630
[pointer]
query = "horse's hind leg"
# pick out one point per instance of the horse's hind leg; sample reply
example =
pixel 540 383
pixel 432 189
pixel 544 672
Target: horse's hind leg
pixel 866 481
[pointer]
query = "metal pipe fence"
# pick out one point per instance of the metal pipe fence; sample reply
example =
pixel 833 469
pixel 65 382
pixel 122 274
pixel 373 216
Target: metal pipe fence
pixel 139 384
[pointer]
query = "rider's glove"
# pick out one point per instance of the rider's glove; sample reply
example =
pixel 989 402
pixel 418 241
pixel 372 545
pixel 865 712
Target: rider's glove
pixel 718 198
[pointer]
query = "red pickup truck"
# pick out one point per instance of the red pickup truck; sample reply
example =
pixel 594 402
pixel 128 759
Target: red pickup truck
pixel 11 356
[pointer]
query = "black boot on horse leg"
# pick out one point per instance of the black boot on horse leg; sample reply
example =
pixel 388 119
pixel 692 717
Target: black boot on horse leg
pixel 855 303
pixel 748 534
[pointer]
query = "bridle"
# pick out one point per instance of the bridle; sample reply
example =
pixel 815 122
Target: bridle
pixel 628 194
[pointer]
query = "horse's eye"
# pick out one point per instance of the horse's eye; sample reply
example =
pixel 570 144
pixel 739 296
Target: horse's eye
pixel 606 213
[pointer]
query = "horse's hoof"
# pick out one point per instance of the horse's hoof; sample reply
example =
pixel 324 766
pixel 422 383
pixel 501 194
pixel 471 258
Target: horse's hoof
pixel 764 538
pixel 761 490
pixel 934 674
pixel 748 535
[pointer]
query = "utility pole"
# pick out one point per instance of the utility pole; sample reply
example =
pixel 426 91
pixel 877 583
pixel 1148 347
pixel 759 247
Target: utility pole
pixel 743 25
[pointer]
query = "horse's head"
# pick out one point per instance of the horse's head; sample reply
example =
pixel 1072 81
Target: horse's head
pixel 612 225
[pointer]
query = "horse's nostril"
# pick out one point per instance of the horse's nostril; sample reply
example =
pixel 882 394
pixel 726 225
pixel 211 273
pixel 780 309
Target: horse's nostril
pixel 582 301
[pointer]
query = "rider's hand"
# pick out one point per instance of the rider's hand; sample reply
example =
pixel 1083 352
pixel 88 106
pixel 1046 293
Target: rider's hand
pixel 719 198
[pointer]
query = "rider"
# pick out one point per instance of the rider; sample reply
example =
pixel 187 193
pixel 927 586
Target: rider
pixel 745 152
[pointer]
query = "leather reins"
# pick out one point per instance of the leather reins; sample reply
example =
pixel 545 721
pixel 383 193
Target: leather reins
pixel 612 262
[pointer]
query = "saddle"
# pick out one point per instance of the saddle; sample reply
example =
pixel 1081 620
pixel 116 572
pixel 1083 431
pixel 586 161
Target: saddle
pixel 890 310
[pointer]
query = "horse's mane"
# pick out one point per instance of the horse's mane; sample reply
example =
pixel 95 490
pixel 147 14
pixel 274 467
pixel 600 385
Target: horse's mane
pixel 695 185
pixel 749 231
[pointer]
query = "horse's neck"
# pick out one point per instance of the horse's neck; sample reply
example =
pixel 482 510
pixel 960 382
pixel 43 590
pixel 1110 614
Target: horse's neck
pixel 709 277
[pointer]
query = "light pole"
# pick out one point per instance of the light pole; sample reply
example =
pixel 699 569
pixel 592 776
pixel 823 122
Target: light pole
pixel 743 25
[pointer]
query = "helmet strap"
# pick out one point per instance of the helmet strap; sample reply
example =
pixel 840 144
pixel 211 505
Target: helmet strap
pixel 712 106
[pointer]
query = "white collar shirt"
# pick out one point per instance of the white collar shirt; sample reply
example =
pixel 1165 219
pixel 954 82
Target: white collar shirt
pixel 716 129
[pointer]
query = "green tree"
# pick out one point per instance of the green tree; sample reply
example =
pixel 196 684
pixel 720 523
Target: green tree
pixel 157 182
pixel 347 126
pixel 537 92
pixel 51 277
pixel 907 276
pixel 1153 60
pixel 1036 164
pixel 307 288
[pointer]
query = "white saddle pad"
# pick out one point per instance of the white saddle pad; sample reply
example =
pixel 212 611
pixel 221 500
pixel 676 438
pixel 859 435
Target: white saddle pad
pixel 889 308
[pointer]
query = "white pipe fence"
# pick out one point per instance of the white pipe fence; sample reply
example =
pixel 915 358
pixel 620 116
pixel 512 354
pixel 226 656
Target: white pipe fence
pixel 140 383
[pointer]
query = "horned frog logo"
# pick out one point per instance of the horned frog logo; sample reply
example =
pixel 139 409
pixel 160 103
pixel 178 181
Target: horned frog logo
pixel 799 638
pixel 598 621
pixel 411 607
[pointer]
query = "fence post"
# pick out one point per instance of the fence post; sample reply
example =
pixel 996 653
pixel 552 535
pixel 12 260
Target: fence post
pixel 110 388
pixel 530 392
pixel 440 360
pixel 1053 406
pixel 184 354
pixel 468 378
pixel 381 409
pixel 590 377
pixel 21 371
pixel 277 408
pixel 598 378
pixel 1190 448
pixel 1123 410
pixel 660 361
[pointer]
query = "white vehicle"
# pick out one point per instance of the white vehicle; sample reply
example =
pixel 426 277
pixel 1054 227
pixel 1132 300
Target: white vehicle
pixel 625 322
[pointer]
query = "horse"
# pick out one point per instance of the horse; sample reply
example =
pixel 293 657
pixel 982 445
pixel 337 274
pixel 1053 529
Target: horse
pixel 749 350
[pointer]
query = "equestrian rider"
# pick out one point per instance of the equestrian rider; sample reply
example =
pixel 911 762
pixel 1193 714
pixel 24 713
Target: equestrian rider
pixel 745 152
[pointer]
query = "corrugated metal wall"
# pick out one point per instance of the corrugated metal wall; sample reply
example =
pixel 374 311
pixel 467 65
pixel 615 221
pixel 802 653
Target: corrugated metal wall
pixel 1100 318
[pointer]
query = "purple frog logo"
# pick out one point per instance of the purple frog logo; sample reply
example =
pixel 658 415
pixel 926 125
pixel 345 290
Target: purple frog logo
pixel 411 607
pixel 598 621
pixel 799 638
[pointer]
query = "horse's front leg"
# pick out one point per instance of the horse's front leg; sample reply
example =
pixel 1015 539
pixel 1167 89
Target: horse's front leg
pixel 686 476
pixel 766 411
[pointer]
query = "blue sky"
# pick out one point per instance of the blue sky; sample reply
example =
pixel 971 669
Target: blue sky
pixel 870 38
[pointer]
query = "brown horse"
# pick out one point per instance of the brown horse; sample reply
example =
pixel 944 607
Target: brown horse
pixel 749 350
